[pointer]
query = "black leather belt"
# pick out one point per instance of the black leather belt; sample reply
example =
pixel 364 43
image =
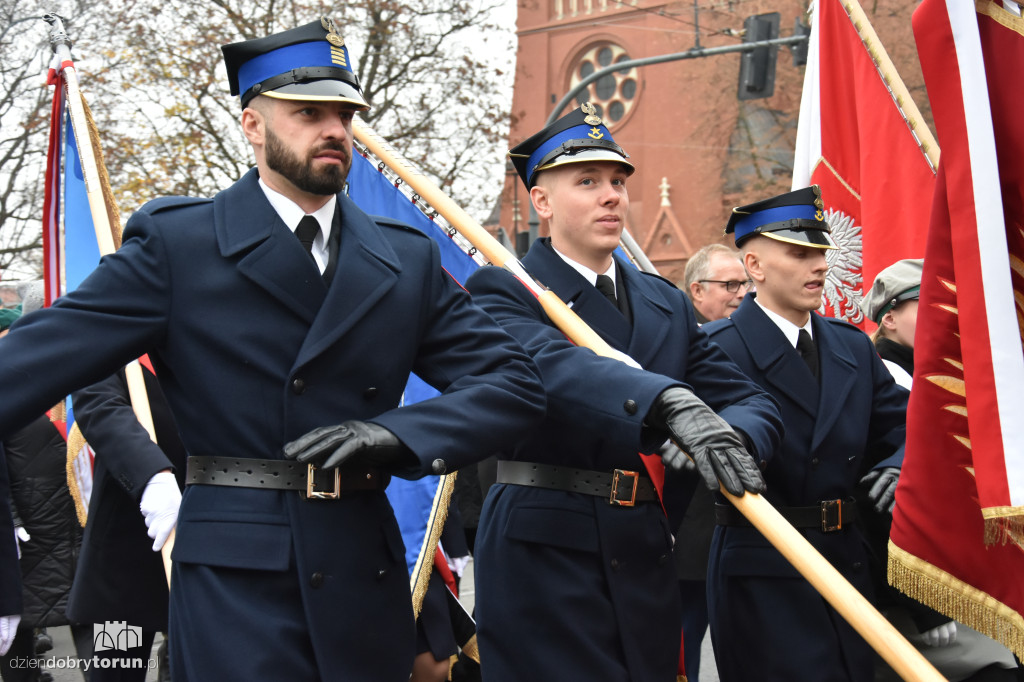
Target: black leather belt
pixel 620 487
pixel 827 516
pixel 279 474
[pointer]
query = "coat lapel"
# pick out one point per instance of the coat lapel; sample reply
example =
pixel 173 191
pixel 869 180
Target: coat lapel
pixel 246 223
pixel 775 358
pixel 585 300
pixel 367 269
pixel 272 258
pixel 651 313
pixel 838 376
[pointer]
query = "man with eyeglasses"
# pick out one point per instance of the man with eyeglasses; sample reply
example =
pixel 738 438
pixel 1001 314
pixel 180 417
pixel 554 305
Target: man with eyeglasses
pixel 716 282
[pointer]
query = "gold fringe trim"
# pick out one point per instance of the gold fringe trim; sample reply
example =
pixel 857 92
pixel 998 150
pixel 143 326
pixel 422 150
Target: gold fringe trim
pixel 1004 525
pixel 420 577
pixel 1000 15
pixel 113 215
pixel 471 650
pixel 59 412
pixel 1011 513
pixel 76 441
pixel 956 599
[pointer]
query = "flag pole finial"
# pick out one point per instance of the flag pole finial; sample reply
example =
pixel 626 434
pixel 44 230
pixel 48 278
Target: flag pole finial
pixel 58 36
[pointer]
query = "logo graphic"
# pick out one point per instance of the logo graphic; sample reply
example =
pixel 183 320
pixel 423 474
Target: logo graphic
pixel 843 281
pixel 115 635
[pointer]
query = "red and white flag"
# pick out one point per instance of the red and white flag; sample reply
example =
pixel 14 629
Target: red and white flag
pixel 855 143
pixel 51 193
pixel 957 542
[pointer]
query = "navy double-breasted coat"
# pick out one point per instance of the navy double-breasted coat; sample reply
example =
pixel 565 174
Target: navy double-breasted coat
pixel 253 350
pixel 767 622
pixel 568 586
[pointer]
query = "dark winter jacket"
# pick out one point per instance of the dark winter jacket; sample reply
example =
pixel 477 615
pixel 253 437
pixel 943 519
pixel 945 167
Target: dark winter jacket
pixel 36 458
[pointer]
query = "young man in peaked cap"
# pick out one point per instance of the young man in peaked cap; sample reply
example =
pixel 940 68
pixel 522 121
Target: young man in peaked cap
pixel 843 417
pixel 575 579
pixel 279 312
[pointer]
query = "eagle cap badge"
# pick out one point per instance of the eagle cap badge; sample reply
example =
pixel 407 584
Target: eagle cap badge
pixel 591 117
pixel 333 37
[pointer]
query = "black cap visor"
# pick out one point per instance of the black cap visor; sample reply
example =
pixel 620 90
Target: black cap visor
pixel 819 239
pixel 324 90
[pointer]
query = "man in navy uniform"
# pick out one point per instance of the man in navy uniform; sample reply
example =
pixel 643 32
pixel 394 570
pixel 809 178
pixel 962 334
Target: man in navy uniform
pixel 843 417
pixel 10 569
pixel 119 576
pixel 575 578
pixel 283 570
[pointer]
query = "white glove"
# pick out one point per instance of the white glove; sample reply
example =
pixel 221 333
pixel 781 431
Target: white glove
pixel 458 564
pixel 944 635
pixel 21 536
pixel 159 504
pixel 8 630
pixel 622 357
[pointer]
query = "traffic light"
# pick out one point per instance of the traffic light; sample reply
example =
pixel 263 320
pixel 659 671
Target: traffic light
pixel 757 67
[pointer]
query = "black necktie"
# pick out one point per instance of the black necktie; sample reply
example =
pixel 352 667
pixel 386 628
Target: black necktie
pixel 607 287
pixel 306 232
pixel 808 351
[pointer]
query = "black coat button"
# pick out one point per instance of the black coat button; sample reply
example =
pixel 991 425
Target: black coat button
pixel 662 559
pixel 815 461
pixel 298 386
pixel 370 393
pixel 316 580
pixel 438 467
pixel 381 573
pixel 629 406
pixel 615 564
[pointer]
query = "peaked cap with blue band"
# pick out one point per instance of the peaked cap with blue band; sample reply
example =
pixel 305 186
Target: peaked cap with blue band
pixel 797 217
pixel 578 136
pixel 308 63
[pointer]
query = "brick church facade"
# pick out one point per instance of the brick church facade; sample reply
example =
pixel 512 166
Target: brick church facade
pixel 698 149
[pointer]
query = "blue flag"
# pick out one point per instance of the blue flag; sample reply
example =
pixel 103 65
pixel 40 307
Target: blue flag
pixel 421 505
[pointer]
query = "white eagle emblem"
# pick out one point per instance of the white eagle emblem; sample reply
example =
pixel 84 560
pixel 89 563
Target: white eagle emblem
pixel 843 281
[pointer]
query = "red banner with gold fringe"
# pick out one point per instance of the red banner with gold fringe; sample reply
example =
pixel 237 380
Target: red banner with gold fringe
pixel 956 541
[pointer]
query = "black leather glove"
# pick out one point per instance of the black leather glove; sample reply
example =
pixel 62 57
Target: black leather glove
pixel 329 447
pixel 674 458
pixel 883 487
pixel 716 449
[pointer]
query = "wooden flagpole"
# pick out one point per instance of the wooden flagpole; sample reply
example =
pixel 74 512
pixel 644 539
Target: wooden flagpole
pixel 887 70
pixel 844 598
pixel 100 212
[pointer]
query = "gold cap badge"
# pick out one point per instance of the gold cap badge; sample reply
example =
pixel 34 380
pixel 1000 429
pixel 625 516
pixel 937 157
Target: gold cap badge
pixel 333 37
pixel 591 114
